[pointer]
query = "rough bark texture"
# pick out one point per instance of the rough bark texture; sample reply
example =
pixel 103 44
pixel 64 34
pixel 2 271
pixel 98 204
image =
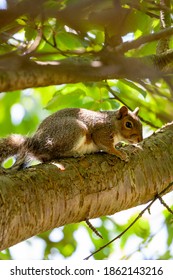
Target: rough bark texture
pixel 26 74
pixel 44 197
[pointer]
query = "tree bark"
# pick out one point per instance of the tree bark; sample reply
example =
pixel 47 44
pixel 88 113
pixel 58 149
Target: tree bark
pixel 19 73
pixel 43 197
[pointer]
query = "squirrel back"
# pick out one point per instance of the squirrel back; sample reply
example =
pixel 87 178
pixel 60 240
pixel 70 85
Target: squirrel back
pixel 74 132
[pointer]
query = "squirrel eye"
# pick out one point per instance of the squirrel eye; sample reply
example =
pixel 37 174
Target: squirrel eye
pixel 129 124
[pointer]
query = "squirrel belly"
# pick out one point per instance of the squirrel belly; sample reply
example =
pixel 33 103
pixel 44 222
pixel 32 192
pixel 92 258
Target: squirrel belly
pixel 84 146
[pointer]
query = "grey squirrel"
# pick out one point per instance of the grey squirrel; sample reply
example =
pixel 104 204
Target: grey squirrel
pixel 74 132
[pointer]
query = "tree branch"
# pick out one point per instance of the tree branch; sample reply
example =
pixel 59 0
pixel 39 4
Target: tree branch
pixel 19 73
pixel 165 22
pixel 124 231
pixel 126 46
pixel 43 197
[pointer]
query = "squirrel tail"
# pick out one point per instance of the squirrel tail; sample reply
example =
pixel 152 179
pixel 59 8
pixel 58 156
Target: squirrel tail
pixel 10 146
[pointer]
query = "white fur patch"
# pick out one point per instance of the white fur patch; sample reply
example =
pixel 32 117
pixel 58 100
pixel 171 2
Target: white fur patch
pixel 118 138
pixel 17 139
pixel 82 147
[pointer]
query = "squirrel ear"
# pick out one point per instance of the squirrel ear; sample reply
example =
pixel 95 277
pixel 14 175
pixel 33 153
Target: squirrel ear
pixel 122 112
pixel 136 111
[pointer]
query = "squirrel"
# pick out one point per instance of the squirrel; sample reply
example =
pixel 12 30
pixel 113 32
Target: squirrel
pixel 73 132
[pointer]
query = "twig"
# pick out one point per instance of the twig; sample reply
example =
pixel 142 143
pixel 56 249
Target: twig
pixel 93 229
pixel 53 45
pixel 119 99
pixel 135 220
pixel 164 204
pixel 126 46
pixel 165 22
pixel 124 231
pixel 164 191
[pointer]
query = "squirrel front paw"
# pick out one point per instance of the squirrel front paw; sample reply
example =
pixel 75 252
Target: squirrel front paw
pixel 118 151
pixel 120 154
pixel 123 156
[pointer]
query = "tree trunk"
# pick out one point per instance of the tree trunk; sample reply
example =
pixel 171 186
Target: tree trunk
pixel 43 197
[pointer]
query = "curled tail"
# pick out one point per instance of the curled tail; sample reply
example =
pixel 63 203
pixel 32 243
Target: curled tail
pixel 11 146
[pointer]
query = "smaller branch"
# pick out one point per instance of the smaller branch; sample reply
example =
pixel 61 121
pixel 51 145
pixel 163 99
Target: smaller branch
pixel 144 244
pixel 165 22
pixel 165 190
pixel 157 196
pixel 124 231
pixel 54 45
pixel 124 47
pixel 122 101
pixel 5 36
pixel 149 11
pixel 115 96
pixel 93 229
pixel 164 204
pixel 36 42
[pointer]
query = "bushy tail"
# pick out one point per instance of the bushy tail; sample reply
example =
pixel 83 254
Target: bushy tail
pixel 11 146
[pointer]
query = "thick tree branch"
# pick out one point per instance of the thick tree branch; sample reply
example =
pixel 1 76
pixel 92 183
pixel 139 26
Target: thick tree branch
pixel 19 73
pixel 44 197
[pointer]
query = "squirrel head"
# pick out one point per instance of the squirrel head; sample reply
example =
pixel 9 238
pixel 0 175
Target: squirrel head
pixel 130 127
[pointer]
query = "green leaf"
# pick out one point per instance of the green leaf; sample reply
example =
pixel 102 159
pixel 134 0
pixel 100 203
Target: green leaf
pixel 5 255
pixel 169 226
pixel 135 87
pixel 68 41
pixel 73 99
pixel 30 33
